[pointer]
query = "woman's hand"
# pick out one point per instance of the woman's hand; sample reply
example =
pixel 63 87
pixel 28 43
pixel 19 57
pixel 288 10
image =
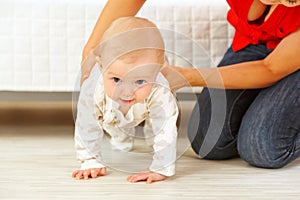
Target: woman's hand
pixel 87 64
pixel 147 176
pixel 175 77
pixel 89 173
pixel 112 10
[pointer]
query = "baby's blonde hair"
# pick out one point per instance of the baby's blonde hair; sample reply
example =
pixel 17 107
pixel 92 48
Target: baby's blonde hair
pixel 130 35
pixel 124 24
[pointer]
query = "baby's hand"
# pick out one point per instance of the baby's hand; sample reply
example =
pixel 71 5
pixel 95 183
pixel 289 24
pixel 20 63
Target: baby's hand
pixel 147 176
pixel 89 173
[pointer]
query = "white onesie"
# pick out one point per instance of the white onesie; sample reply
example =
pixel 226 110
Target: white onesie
pixel 96 113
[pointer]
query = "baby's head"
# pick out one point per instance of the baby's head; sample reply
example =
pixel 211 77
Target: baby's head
pixel 131 55
pixel 130 36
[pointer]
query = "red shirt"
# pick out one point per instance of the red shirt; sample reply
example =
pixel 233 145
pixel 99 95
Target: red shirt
pixel 282 22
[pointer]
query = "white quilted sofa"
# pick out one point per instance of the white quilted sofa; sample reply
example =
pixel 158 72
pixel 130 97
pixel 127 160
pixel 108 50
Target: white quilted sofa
pixel 41 40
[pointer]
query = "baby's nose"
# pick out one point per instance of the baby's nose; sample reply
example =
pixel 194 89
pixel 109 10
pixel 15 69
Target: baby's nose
pixel 128 90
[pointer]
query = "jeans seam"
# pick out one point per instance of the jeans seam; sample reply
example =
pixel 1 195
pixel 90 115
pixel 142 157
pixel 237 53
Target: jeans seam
pixel 231 110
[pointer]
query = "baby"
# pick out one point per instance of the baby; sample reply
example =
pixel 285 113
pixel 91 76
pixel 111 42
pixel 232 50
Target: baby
pixel 127 91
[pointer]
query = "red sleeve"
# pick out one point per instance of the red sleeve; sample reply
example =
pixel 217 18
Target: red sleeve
pixel 240 7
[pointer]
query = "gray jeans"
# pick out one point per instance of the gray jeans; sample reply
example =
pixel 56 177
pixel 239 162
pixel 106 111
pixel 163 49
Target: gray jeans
pixel 261 126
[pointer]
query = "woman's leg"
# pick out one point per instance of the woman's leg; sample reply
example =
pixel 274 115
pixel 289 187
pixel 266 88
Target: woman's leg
pixel 217 116
pixel 269 136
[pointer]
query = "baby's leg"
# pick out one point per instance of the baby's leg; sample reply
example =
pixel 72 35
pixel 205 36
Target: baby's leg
pixel 122 139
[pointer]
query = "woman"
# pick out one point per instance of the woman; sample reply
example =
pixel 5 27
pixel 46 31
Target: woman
pixel 260 74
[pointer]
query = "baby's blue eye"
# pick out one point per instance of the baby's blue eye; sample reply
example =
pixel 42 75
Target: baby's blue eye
pixel 140 82
pixel 116 80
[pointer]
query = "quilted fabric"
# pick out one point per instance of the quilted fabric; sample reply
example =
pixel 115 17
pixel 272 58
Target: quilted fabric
pixel 42 40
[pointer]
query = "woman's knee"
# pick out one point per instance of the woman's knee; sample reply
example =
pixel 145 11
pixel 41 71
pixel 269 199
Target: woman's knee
pixel 260 151
pixel 269 133
pixel 215 121
pixel 208 136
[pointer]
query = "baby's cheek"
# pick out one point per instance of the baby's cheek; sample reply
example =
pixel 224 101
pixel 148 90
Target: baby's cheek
pixel 142 93
pixel 109 89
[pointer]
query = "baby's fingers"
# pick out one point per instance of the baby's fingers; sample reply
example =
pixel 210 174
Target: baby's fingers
pixel 75 173
pixel 157 177
pixel 79 175
pixel 149 177
pixel 86 174
pixel 94 173
pixel 149 180
pixel 137 177
pixel 98 172
pixel 102 171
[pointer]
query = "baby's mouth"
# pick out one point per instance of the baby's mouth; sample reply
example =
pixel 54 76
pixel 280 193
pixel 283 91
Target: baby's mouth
pixel 127 101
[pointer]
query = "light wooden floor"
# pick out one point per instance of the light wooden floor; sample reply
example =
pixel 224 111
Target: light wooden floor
pixel 37 159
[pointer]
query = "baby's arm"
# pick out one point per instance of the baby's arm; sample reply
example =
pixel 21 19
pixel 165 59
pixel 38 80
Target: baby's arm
pixel 163 117
pixel 88 131
pixel 162 122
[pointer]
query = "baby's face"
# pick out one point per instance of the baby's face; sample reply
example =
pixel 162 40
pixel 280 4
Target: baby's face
pixel 129 80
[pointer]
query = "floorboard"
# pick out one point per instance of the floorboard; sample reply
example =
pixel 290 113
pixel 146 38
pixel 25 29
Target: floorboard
pixel 37 159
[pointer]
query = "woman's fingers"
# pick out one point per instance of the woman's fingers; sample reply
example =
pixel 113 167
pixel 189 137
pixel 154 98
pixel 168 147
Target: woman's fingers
pixel 87 66
pixel 83 78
